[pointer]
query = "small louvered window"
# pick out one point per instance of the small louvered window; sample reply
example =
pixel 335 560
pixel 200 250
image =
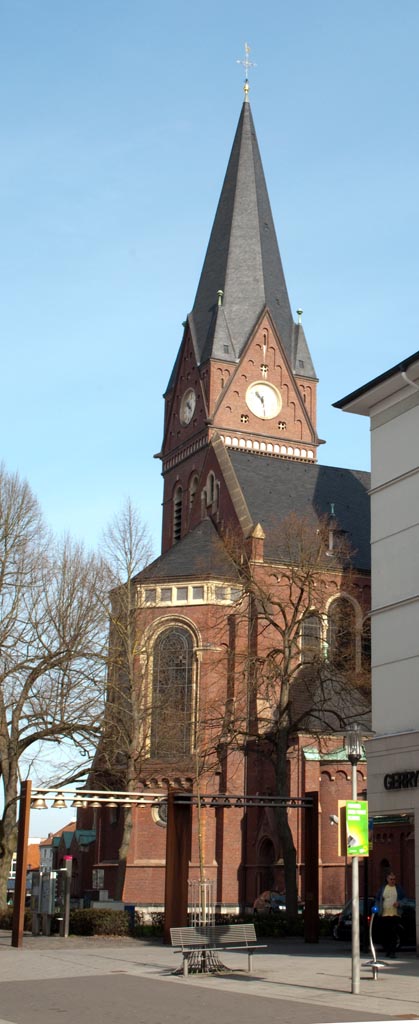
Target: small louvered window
pixel 177 514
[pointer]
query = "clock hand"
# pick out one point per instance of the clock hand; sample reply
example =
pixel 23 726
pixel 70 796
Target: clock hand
pixel 261 399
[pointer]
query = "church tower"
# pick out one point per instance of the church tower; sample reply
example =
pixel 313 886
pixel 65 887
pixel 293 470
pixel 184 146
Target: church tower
pixel 241 483
pixel 243 373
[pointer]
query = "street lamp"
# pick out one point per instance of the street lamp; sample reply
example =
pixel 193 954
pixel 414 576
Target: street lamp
pixel 354 753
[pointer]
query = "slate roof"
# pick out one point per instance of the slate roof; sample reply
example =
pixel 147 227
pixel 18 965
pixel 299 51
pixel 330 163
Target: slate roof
pixel 201 553
pixel 243 260
pixel 322 701
pixel 274 488
pixel 71 827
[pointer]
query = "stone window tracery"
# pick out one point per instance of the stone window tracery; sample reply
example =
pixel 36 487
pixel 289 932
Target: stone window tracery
pixel 341 634
pixel 172 693
pixel 311 637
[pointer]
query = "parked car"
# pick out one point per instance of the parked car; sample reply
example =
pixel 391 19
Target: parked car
pixel 342 928
pixel 271 902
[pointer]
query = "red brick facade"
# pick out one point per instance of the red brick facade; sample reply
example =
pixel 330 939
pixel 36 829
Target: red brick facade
pixel 234 466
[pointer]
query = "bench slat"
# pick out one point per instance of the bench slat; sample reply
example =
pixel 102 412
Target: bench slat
pixel 206 935
pixel 200 941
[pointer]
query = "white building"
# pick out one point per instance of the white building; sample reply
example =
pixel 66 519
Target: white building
pixel 392 403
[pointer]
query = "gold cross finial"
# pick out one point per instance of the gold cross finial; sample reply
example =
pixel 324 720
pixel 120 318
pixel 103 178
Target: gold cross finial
pixel 246 63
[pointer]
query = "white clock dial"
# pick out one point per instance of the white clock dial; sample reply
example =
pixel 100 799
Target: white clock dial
pixel 187 406
pixel 263 400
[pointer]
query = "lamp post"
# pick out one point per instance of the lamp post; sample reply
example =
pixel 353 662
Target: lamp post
pixel 354 753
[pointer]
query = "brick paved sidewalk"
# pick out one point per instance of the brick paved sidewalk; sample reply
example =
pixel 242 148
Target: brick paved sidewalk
pixel 319 976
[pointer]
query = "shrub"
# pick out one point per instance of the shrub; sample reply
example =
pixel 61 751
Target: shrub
pixel 148 926
pixel 327 921
pixel 6 917
pixel 277 925
pixel 95 921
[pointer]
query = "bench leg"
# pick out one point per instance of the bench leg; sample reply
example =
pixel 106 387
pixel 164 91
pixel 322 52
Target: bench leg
pixel 249 964
pixel 185 965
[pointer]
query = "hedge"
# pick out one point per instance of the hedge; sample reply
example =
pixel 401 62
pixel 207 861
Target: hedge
pixel 95 921
pixel 6 917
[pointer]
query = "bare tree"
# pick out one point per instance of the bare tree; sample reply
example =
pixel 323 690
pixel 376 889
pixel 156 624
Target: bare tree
pixel 125 736
pixel 294 685
pixel 52 644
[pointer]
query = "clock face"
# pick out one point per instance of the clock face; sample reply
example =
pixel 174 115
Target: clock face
pixel 263 400
pixel 187 406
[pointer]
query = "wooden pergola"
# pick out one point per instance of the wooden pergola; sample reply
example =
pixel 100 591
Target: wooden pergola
pixel 178 843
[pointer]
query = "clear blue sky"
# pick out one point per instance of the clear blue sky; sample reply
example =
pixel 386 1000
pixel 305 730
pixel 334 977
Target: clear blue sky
pixel 117 119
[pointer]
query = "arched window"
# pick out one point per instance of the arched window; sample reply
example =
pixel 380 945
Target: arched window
pixel 177 514
pixel 311 637
pixel 210 488
pixel 172 693
pixel 341 634
pixel 267 862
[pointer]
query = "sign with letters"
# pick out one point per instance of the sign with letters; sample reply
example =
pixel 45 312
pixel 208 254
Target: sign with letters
pixel 357 839
pixel 401 780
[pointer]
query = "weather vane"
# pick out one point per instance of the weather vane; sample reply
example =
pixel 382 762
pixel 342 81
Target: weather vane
pixel 246 64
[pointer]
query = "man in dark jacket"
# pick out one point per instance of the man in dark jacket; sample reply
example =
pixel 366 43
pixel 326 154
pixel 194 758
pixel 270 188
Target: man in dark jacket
pixel 389 899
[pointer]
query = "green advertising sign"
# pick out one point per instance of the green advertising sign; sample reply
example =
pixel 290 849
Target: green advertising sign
pixel 357 840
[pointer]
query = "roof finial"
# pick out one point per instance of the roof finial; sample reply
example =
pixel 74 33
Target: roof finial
pixel 299 314
pixel 246 63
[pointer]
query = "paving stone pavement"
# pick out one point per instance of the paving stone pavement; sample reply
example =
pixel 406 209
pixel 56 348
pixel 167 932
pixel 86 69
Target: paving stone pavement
pixel 96 981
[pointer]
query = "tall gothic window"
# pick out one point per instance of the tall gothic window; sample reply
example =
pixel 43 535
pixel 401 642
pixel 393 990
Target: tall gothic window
pixel 310 637
pixel 341 635
pixel 172 693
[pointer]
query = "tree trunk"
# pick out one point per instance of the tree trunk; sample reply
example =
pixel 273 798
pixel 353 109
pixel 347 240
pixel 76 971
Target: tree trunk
pixel 285 834
pixel 290 863
pixel 123 853
pixel 8 845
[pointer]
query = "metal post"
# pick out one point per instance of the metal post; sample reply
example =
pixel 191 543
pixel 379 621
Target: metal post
pixel 67 872
pixel 311 869
pixel 178 851
pixel 365 930
pixel 21 864
pixel 355 901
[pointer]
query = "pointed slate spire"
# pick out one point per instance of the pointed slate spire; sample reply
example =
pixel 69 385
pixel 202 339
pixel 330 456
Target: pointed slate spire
pixel 243 262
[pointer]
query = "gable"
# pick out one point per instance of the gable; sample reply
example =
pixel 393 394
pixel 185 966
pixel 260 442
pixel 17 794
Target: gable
pixel 262 397
pixel 186 402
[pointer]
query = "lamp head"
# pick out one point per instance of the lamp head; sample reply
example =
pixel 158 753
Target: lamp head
pixel 353 743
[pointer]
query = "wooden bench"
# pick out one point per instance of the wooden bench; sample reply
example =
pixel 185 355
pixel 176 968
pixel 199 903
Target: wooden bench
pixel 201 943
